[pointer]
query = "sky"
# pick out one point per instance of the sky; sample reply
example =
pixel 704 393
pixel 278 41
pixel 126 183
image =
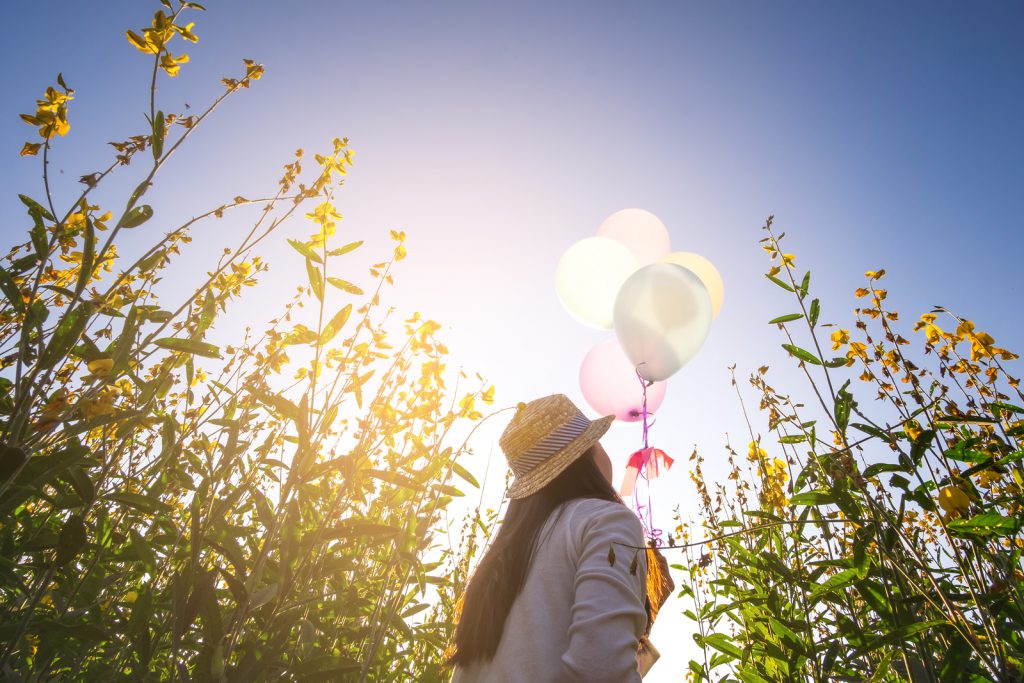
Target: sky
pixel 498 134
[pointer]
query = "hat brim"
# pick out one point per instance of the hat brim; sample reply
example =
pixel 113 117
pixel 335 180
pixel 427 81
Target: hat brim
pixel 541 475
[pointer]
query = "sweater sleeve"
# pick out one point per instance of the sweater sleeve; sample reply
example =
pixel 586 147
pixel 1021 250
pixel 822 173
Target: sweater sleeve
pixel 608 615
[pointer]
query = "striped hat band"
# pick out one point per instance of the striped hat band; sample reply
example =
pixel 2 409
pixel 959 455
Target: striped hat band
pixel 555 441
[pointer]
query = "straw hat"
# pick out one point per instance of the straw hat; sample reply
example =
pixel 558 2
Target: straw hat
pixel 544 437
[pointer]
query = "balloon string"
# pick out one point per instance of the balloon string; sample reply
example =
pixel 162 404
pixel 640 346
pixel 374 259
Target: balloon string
pixel 644 413
pixel 644 512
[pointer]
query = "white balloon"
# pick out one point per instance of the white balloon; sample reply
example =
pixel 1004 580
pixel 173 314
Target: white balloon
pixel 641 231
pixel 662 317
pixel 588 277
pixel 706 271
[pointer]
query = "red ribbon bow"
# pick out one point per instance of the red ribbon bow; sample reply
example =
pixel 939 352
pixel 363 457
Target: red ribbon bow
pixel 651 460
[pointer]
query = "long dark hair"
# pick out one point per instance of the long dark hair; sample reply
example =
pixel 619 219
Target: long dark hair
pixel 501 573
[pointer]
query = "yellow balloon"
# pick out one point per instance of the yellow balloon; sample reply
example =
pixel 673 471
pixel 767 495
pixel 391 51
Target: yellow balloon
pixel 707 273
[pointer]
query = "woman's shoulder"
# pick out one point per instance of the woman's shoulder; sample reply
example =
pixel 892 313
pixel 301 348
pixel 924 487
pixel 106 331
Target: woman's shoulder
pixel 611 517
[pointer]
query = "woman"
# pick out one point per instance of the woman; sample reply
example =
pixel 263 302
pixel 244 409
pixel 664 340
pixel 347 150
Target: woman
pixel 560 593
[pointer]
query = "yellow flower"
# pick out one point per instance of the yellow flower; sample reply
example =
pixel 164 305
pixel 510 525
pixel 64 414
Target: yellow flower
pixel 788 259
pixel 75 221
pixel 857 350
pixel 781 469
pixel 954 501
pixel 913 429
pixel 755 452
pixel 101 367
pixel 840 337
pixel 130 597
pixel 988 478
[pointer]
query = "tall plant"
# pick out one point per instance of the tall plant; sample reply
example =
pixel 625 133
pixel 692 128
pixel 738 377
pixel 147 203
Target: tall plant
pixel 175 509
pixel 873 539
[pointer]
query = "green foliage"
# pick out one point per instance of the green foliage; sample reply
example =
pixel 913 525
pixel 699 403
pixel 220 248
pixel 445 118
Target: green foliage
pixel 880 540
pixel 265 508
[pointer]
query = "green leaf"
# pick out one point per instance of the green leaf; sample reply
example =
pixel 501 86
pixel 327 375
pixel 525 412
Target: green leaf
pixel 354 528
pixel 920 445
pixel 962 452
pixel 819 497
pixel 334 326
pixel 73 537
pixel 136 217
pixel 34 206
pixel 11 291
pixel 326 668
pixel 305 250
pixel 1005 407
pixel 836 582
pixel 38 236
pixel 140 502
pixel 81 483
pixel 789 317
pixel 1012 457
pixel 351 246
pixel 966 419
pixel 724 644
pixel 465 474
pixel 805 284
pixel 208 314
pixel 780 283
pixel 395 478
pixel 88 257
pixel 793 438
pixel 448 490
pixel 873 431
pixel 281 405
pixel 814 313
pixel 263 596
pixel 120 350
pixel 69 329
pixel 345 286
pixel 19 266
pixel 316 279
pixel 11 460
pixel 159 131
pixel 802 354
pixel 881 467
pixel 199 348
pixel 843 406
pixel 985 524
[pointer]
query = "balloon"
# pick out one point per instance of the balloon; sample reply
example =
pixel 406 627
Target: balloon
pixel 662 316
pixel 588 277
pixel 611 387
pixel 707 273
pixel 641 231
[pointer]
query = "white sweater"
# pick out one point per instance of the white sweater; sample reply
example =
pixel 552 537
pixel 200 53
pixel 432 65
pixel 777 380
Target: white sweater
pixel 579 617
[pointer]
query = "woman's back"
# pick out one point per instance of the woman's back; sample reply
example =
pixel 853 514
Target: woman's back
pixel 580 613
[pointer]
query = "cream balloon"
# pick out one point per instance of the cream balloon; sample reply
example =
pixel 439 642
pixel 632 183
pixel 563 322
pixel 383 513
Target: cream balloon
pixel 588 277
pixel 641 231
pixel 662 317
pixel 706 271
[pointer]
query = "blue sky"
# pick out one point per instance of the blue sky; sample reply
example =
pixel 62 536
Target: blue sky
pixel 498 134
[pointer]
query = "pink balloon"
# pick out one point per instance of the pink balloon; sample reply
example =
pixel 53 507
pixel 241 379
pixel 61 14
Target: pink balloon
pixel 641 231
pixel 610 385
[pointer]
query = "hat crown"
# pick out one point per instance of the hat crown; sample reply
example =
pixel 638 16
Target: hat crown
pixel 543 438
pixel 550 419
